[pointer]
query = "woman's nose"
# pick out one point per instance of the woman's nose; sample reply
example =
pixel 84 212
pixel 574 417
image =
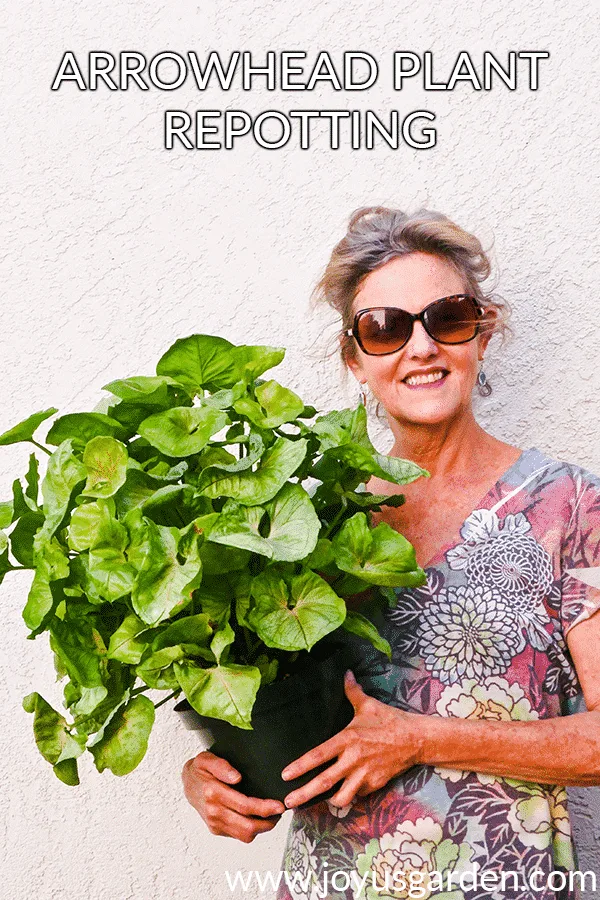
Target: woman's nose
pixel 420 343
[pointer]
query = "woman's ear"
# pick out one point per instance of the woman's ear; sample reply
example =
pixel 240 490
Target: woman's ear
pixel 483 341
pixel 356 369
pixel 349 357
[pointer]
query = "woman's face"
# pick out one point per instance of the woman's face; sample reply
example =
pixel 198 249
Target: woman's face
pixel 412 282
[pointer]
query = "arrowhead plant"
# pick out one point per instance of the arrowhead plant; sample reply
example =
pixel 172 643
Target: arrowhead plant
pixel 175 545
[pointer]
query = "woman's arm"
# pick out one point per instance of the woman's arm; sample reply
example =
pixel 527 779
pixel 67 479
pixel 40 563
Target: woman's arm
pixel 382 741
pixel 564 750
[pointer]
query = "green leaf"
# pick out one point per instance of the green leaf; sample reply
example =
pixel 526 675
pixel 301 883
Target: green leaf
pixel 294 524
pixel 218 559
pixel 157 669
pixel 86 521
pixel 223 638
pixel 238 526
pixel 32 479
pixel 125 645
pixel 22 538
pixel 51 564
pixel 399 471
pixel 256 448
pixel 53 739
pixel 63 474
pixel 139 487
pixel 379 556
pixel 243 598
pixel 81 649
pixel 21 502
pixel 200 361
pixel 175 505
pixel 369 462
pixel 226 397
pixel 275 405
pixel 25 430
pixel 5 565
pixel 268 668
pixel 321 557
pixel 297 614
pixel 184 430
pixel 215 596
pixel 366 500
pixel 254 488
pixel 162 585
pixel 147 390
pixel 6 513
pixel 119 682
pixel 88 700
pixel 340 427
pixel 343 436
pixel 222 692
pixel 357 624
pixel 194 629
pixel 66 771
pixel 3 542
pixel 108 567
pixel 83 427
pixel 105 461
pixel 40 601
pixel 125 739
pixel 204 361
pixel 253 361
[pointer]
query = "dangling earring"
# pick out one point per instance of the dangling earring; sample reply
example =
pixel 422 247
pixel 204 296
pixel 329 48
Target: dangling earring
pixel 483 385
pixel 362 394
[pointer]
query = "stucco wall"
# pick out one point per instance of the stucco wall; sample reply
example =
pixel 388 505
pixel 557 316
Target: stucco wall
pixel 114 247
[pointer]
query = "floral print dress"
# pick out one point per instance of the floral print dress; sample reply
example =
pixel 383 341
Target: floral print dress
pixel 484 638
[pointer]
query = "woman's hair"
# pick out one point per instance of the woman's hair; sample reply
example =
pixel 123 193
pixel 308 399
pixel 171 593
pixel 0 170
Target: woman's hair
pixel 377 234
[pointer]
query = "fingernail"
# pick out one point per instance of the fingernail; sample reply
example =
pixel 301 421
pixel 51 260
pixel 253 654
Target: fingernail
pixel 350 675
pixel 285 775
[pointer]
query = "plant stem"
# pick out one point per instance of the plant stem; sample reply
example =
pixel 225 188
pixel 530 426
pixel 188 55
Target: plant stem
pixel 40 447
pixel 338 515
pixel 139 690
pixel 170 697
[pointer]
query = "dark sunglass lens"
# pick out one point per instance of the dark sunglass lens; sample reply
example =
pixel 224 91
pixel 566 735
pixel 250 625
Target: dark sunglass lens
pixel 383 330
pixel 453 321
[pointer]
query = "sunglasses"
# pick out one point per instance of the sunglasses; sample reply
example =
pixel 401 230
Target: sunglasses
pixel 386 329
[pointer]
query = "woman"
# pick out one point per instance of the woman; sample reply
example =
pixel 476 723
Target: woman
pixel 456 760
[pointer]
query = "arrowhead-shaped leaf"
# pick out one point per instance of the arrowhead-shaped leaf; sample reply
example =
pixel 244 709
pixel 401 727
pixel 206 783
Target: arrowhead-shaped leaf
pixel 162 585
pixel 125 739
pixel 125 645
pixel 357 624
pixel 53 739
pixel 63 474
pixel 294 525
pixel 223 692
pixel 83 427
pixel 294 616
pixel 25 430
pixel 105 461
pixel 254 488
pixel 183 430
pixel 379 555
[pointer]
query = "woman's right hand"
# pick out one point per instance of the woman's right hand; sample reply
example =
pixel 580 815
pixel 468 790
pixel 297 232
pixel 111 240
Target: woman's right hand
pixel 227 812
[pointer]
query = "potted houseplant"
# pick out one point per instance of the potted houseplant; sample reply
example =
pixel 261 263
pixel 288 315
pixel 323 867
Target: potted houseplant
pixel 176 548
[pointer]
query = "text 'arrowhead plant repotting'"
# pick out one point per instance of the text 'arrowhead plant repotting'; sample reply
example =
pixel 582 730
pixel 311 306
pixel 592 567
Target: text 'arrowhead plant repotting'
pixel 175 546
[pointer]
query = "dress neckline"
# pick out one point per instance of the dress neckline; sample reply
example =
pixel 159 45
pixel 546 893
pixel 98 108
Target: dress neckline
pixel 481 503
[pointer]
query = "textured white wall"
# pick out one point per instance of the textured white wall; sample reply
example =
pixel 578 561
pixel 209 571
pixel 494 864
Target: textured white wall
pixel 114 247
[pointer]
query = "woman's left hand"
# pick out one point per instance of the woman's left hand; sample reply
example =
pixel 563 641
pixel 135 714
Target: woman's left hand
pixel 380 742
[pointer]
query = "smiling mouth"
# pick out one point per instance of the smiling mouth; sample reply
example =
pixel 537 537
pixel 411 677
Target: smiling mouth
pixel 424 381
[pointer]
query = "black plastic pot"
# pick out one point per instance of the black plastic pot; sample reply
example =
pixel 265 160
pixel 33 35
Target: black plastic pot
pixel 289 718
